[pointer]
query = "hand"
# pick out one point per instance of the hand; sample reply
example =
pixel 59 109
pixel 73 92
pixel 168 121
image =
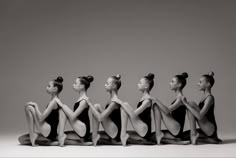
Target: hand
pixel 184 100
pixel 58 101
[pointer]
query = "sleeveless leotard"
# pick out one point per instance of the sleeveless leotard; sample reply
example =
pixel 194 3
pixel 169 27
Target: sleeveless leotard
pixel 84 117
pixel 179 115
pixel 145 116
pixel 53 121
pixel 116 118
pixel 210 115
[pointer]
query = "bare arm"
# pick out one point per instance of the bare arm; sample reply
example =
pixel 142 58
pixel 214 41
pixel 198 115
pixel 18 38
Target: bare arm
pixel 72 115
pixel 175 105
pixel 162 106
pixel 126 106
pixel 200 114
pixel 105 113
pixel 47 111
pixel 145 104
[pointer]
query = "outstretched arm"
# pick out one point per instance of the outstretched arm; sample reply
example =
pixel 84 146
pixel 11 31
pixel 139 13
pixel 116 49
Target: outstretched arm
pixel 72 115
pixel 161 106
pixel 101 116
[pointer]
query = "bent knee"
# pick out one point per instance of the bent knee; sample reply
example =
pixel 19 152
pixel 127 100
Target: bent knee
pixel 29 108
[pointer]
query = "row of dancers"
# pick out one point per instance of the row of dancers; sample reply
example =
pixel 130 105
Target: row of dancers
pixel 48 127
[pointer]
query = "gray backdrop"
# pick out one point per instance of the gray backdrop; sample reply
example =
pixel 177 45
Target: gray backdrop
pixel 40 40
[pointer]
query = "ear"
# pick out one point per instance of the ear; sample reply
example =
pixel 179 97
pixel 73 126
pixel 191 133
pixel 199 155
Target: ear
pixel 82 86
pixel 179 85
pixel 208 84
pixel 55 89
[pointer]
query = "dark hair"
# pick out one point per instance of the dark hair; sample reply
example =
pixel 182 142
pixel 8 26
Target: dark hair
pixel 182 79
pixel 210 78
pixel 86 81
pixel 58 83
pixel 150 80
pixel 117 80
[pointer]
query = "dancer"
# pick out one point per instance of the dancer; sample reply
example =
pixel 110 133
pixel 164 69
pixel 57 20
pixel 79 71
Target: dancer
pixel 173 116
pixel 43 125
pixel 203 113
pixel 79 117
pixel 141 117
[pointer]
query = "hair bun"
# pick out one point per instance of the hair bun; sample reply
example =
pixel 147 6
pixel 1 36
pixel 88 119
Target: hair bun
pixel 211 73
pixel 90 78
pixel 59 79
pixel 150 76
pixel 185 75
pixel 118 76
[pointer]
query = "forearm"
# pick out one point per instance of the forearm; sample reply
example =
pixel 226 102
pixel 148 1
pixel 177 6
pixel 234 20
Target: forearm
pixel 69 113
pixel 162 107
pixel 193 111
pixel 129 110
pixel 96 113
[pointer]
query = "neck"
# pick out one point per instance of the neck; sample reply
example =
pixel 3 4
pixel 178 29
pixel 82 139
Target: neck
pixel 145 94
pixel 82 94
pixel 207 92
pixel 53 96
pixel 113 94
pixel 178 92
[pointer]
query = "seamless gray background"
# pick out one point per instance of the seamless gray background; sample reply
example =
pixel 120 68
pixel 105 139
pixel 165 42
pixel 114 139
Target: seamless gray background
pixel 40 40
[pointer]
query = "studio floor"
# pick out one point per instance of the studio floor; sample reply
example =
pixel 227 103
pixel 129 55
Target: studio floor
pixel 9 147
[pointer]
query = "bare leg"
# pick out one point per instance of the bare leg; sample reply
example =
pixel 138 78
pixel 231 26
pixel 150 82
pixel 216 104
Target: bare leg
pixel 62 122
pixel 124 122
pixel 109 126
pixel 30 122
pixel 43 127
pixel 171 124
pixel 193 133
pixel 140 127
pixel 78 126
pixel 157 119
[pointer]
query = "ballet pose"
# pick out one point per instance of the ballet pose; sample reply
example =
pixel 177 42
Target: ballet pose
pixel 109 116
pixel 203 113
pixel 45 124
pixel 173 116
pixel 79 117
pixel 140 117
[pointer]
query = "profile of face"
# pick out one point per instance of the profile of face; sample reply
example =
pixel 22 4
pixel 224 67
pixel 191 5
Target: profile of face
pixel 174 84
pixel 110 85
pixel 203 84
pixel 143 84
pixel 77 86
pixel 51 89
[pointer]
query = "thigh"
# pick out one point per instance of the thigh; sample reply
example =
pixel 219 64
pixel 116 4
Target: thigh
pixel 206 126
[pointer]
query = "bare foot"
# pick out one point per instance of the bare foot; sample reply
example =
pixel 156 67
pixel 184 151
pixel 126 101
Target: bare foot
pixel 62 140
pixel 159 138
pixel 33 138
pixel 124 139
pixel 95 140
pixel 194 138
